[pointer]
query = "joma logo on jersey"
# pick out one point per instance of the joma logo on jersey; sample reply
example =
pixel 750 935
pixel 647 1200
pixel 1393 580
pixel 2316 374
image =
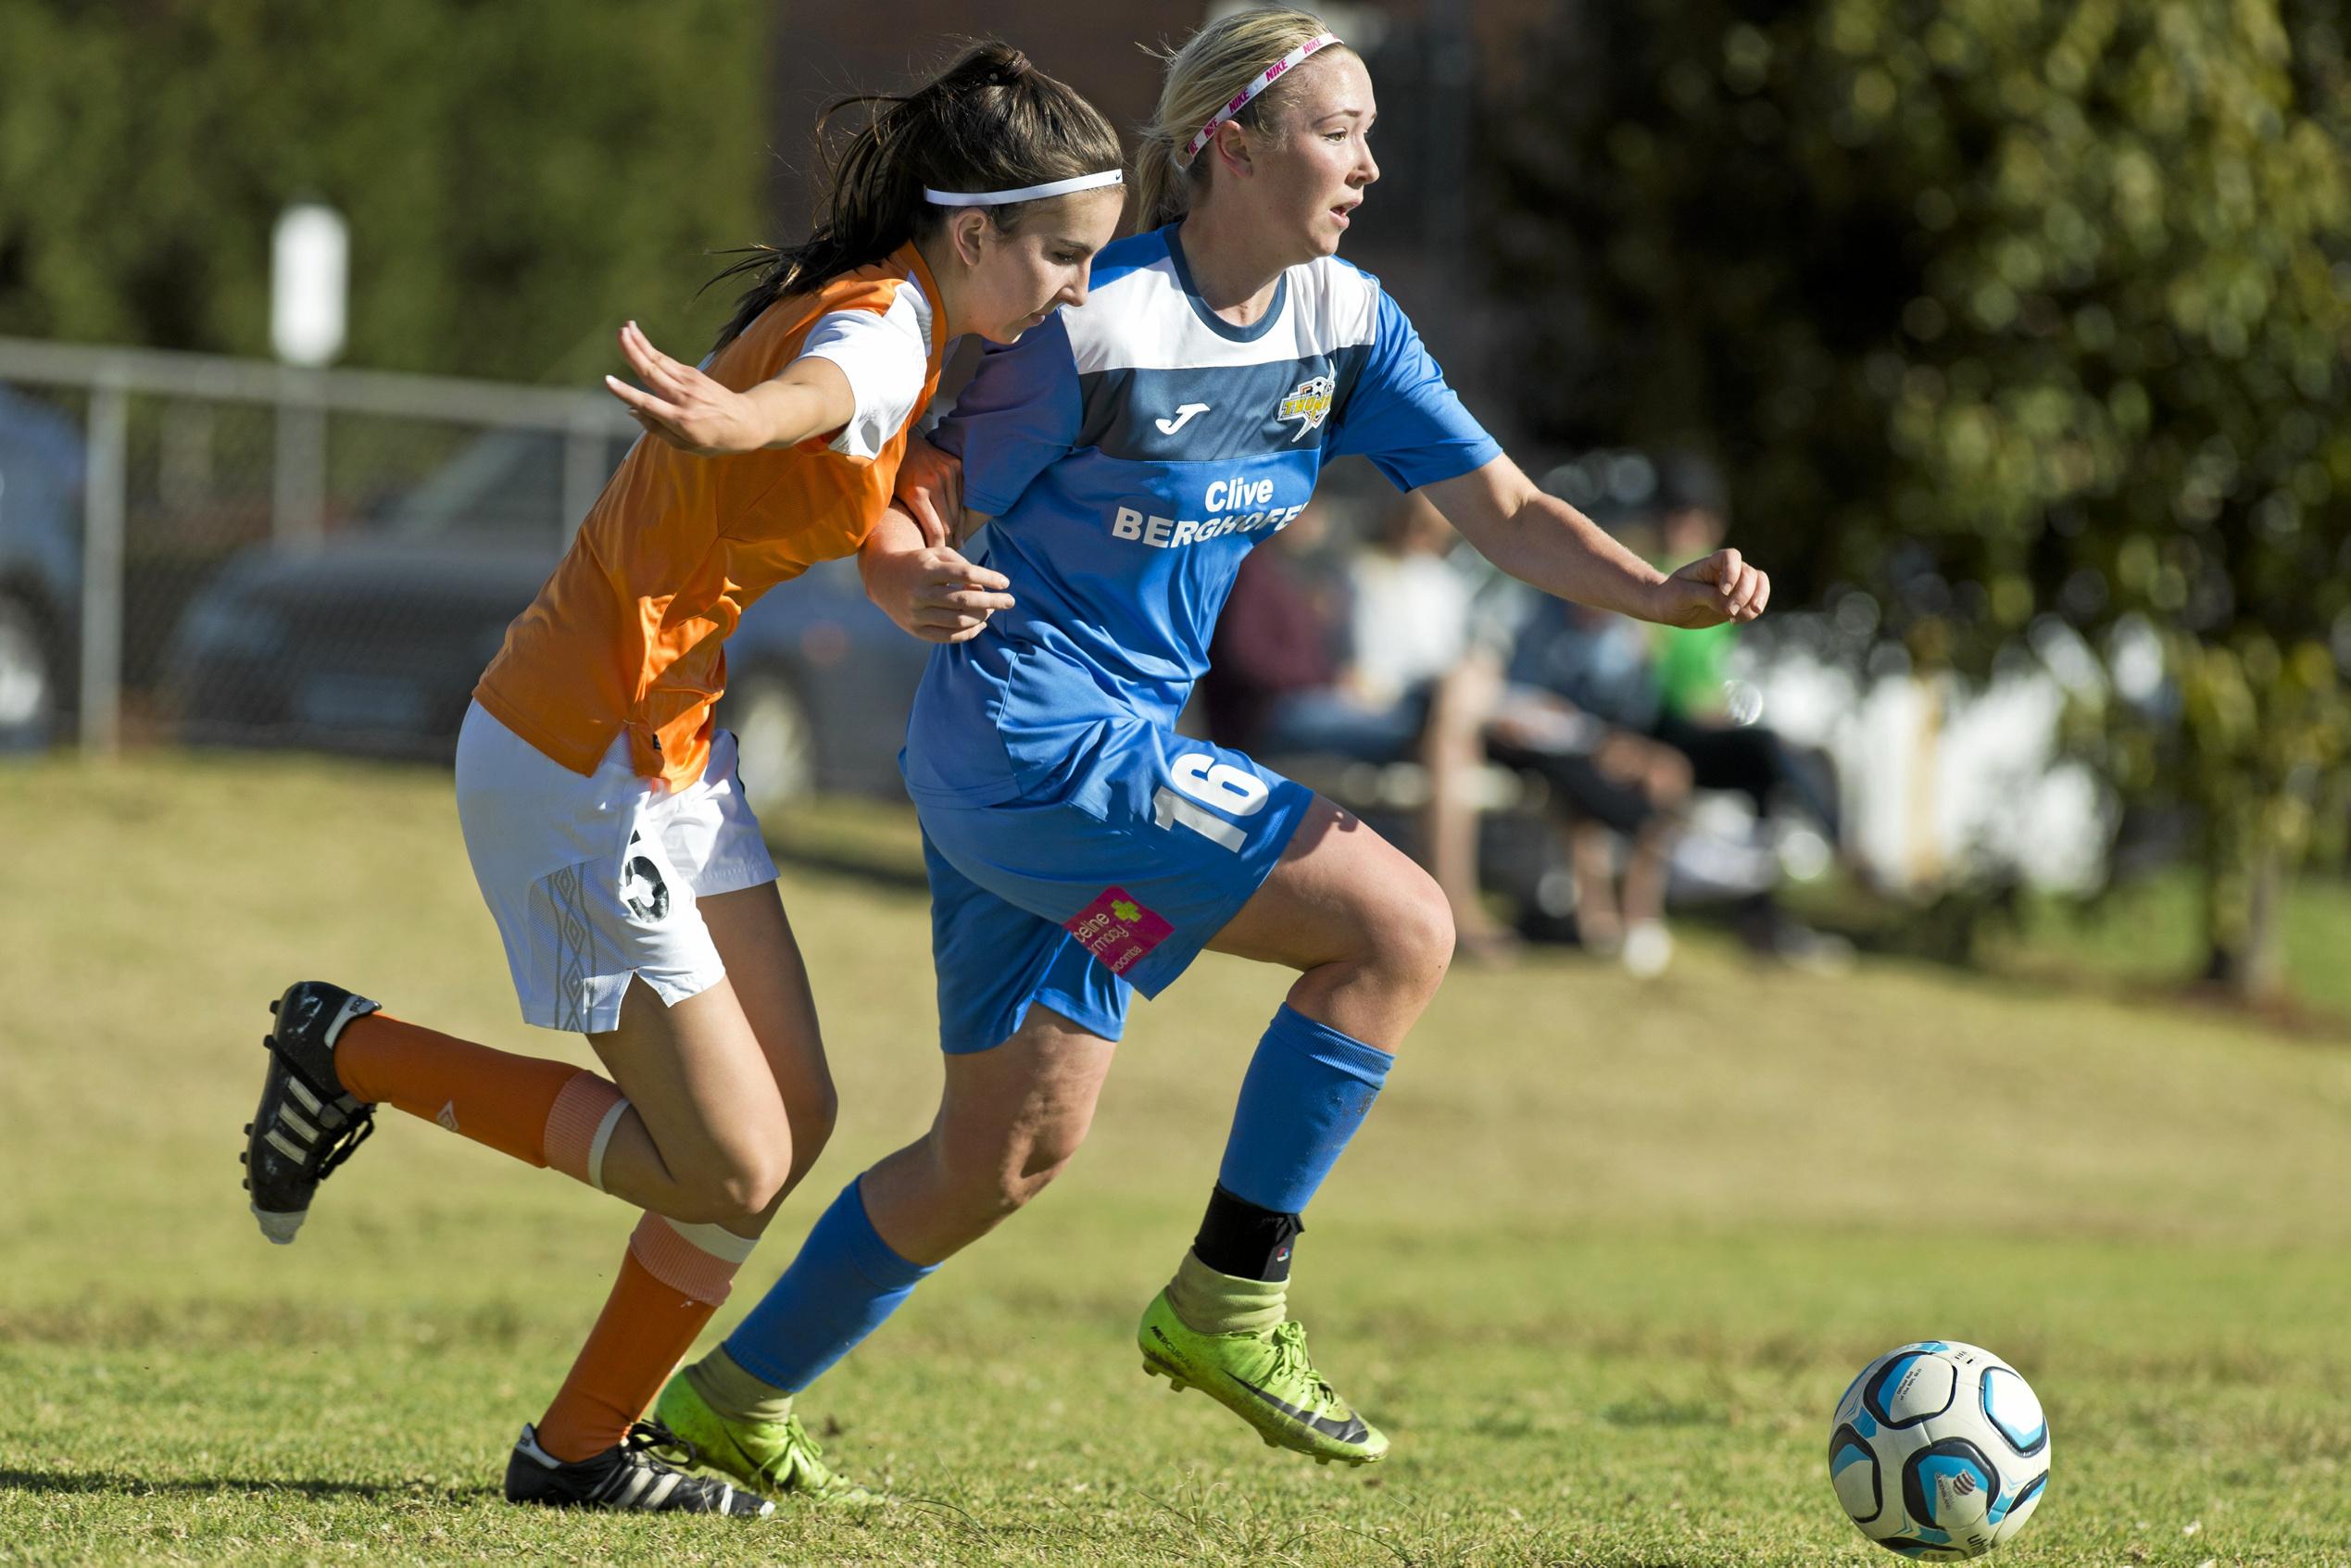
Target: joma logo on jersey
pixel 1308 403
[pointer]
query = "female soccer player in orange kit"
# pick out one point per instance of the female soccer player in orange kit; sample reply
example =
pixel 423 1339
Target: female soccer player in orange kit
pixel 601 805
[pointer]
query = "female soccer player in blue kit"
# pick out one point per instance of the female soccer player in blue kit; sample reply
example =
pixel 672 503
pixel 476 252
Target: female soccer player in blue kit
pixel 1130 451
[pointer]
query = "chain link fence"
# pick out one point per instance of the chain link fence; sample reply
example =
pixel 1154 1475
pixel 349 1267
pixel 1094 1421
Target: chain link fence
pixel 224 550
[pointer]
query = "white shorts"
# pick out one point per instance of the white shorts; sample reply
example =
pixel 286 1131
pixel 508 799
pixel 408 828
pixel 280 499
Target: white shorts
pixel 593 880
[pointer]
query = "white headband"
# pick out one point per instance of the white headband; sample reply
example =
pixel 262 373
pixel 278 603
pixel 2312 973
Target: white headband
pixel 1026 193
pixel 1265 79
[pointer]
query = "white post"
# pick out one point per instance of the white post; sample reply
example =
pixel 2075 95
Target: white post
pixel 310 274
pixel 103 487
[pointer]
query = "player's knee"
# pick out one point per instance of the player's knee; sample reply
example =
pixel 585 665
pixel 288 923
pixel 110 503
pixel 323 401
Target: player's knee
pixel 1006 1179
pixel 754 1189
pixel 1413 933
pixel 1045 1157
pixel 734 1186
pixel 980 1200
pixel 1011 1192
pixel 1017 1189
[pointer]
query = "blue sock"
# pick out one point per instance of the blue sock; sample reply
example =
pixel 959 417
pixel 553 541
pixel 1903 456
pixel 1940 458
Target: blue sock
pixel 1308 1088
pixel 844 1283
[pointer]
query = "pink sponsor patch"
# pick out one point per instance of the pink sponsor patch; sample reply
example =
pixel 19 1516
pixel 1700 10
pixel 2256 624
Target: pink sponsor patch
pixel 1117 930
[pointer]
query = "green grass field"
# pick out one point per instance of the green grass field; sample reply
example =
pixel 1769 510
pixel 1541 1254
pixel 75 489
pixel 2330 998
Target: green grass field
pixel 1601 1263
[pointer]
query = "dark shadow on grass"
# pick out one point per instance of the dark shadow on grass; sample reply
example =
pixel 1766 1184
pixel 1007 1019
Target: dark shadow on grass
pixel 69 1482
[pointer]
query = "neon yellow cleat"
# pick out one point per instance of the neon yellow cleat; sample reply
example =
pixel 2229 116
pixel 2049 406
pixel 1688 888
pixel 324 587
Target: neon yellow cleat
pixel 1267 1379
pixel 775 1458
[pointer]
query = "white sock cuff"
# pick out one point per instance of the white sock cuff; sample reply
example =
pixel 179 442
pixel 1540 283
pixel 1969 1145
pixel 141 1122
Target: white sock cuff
pixel 698 1262
pixel 716 1240
pixel 603 1137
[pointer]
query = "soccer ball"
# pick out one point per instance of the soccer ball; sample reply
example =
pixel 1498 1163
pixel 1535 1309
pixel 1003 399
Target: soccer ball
pixel 1938 1451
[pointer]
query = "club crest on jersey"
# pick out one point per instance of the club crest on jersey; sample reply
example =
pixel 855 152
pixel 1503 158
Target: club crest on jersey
pixel 1308 403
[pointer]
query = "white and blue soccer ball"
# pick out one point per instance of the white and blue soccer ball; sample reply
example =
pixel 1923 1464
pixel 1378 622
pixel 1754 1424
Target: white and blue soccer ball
pixel 1938 1451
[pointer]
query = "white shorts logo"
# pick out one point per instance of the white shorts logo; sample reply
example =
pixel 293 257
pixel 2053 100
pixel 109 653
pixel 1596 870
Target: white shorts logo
pixel 642 888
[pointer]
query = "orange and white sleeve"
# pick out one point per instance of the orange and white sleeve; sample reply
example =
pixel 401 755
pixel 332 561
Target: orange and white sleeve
pixel 886 355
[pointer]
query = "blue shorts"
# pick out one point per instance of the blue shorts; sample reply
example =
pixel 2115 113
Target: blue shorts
pixel 1108 883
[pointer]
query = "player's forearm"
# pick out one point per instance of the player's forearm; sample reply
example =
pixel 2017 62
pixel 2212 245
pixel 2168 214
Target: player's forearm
pixel 785 413
pixel 1551 546
pixel 895 536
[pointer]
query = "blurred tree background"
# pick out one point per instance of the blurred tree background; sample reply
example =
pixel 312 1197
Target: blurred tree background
pixel 2017 323
pixel 2032 317
pixel 518 178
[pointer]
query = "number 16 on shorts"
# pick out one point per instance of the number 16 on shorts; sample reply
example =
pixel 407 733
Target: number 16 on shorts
pixel 1205 783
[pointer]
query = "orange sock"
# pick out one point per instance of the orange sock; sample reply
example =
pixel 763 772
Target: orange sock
pixel 542 1112
pixel 671 1280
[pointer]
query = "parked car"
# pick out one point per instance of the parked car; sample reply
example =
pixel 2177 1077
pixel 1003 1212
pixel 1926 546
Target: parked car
pixel 373 643
pixel 41 464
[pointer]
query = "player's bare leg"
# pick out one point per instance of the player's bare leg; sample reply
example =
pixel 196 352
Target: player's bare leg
pixel 706 1139
pixel 1009 1122
pixel 1370 932
pixel 732 1098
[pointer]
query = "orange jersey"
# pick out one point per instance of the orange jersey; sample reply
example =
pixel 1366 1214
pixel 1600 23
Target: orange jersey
pixel 626 636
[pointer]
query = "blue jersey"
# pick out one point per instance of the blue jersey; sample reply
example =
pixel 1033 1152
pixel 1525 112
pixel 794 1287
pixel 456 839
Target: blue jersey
pixel 1132 449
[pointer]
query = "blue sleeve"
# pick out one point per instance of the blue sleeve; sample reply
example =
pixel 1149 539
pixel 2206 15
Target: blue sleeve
pixel 1403 416
pixel 1016 418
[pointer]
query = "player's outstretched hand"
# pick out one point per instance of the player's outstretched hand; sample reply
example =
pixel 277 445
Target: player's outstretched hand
pixel 1707 593
pixel 930 486
pixel 935 594
pixel 681 404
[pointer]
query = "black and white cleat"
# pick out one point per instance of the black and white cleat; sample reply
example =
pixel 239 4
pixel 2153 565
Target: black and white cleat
pixel 626 1477
pixel 307 1123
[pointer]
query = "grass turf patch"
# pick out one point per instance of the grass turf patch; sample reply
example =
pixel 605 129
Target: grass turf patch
pixel 1600 1263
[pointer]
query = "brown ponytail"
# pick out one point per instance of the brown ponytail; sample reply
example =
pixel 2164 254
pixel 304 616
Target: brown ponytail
pixel 991 121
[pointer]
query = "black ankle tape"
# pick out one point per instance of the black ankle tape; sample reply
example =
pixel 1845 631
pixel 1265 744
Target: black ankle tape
pixel 1237 1237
